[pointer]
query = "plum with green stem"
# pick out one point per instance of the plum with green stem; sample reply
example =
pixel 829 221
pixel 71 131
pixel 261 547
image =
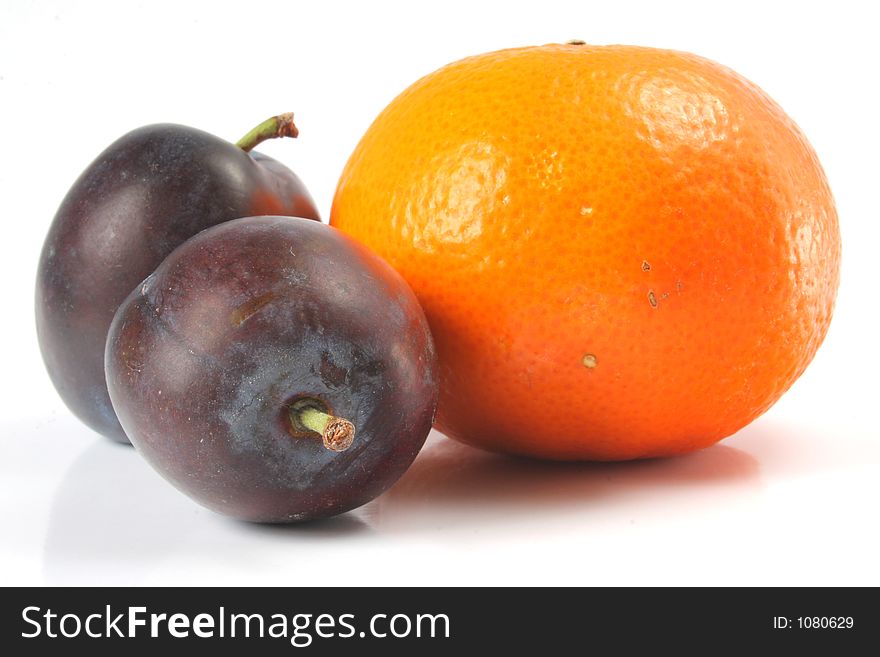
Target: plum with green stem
pixel 148 192
pixel 274 370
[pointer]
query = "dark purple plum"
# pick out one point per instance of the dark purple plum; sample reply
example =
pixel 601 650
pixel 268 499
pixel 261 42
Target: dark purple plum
pixel 274 370
pixel 147 193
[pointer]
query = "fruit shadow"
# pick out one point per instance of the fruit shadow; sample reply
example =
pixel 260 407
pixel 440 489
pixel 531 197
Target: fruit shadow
pixel 115 519
pixel 459 486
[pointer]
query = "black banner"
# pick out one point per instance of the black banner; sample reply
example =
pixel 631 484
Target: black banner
pixel 436 621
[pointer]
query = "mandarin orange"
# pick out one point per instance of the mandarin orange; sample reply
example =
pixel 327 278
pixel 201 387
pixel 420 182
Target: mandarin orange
pixel 622 252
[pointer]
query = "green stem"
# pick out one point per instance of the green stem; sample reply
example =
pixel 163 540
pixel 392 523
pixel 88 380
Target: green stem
pixel 312 418
pixel 336 432
pixel 278 126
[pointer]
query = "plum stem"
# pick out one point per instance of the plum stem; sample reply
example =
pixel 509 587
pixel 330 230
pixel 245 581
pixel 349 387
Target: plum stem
pixel 278 126
pixel 336 432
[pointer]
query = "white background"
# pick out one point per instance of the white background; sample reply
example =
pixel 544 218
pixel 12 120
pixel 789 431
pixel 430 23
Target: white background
pixel 792 499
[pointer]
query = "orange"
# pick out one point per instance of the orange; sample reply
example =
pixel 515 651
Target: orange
pixel 622 252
